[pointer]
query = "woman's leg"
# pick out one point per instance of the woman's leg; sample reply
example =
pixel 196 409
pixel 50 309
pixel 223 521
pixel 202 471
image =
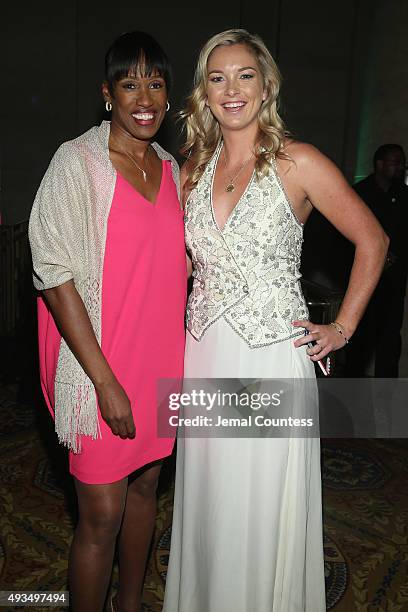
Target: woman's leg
pixel 135 537
pixel 90 565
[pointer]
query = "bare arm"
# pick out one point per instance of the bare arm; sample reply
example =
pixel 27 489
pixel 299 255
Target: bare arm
pixel 189 266
pixel 73 322
pixel 325 187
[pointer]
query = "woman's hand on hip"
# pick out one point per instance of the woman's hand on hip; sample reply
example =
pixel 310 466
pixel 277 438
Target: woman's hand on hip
pixel 115 409
pixel 325 339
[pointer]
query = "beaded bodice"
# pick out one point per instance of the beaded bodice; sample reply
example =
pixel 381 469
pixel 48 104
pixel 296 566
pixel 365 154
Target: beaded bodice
pixel 247 273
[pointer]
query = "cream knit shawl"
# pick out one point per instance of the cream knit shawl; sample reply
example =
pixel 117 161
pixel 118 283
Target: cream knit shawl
pixel 67 233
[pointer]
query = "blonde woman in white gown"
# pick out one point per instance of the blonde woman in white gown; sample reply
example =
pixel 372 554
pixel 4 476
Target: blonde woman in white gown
pixel 247 526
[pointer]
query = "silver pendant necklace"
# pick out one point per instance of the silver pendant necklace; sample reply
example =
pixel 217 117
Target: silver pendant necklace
pixel 136 164
pixel 231 185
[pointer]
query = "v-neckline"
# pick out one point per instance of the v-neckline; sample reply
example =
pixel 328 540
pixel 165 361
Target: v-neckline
pixel 153 204
pixel 216 157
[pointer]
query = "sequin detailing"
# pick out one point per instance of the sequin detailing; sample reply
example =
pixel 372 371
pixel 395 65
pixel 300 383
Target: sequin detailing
pixel 247 273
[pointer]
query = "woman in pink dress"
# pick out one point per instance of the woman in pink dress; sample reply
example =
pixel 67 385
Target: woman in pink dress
pixel 106 233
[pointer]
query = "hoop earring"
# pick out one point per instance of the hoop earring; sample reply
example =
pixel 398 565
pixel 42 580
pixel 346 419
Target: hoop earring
pixel 108 106
pixel 167 106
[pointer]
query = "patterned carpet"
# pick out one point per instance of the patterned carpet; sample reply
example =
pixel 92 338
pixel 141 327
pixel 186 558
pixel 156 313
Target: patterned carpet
pixel 365 516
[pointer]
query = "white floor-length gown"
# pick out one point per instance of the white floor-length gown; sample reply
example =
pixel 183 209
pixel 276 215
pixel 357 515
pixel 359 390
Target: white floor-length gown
pixel 247 526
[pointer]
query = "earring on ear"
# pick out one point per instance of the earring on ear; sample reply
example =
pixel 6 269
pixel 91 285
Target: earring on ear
pixel 167 106
pixel 108 106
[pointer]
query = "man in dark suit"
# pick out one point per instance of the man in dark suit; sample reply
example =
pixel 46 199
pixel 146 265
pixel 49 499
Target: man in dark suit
pixel 379 333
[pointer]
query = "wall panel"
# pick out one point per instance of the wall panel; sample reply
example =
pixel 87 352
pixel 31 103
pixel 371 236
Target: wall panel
pixel 52 67
pixel 39 84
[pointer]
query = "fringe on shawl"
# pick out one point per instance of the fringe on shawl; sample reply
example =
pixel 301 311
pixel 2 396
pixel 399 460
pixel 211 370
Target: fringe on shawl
pixel 75 414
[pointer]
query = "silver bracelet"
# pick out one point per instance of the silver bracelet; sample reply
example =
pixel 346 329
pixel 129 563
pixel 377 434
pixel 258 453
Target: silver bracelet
pixel 338 327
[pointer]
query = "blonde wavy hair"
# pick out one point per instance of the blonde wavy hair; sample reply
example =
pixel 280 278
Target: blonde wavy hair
pixel 202 130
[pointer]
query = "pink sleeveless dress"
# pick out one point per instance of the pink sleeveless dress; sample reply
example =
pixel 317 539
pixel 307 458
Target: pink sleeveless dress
pixel 143 301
